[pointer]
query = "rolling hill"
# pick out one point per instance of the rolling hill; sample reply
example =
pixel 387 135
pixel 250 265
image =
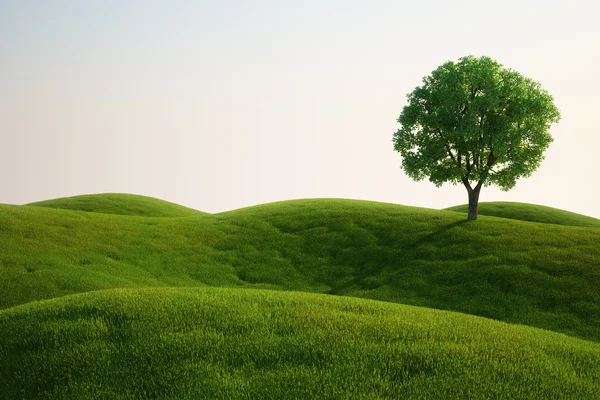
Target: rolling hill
pixel 130 293
pixel 536 274
pixel 206 343
pixel 120 204
pixel 531 212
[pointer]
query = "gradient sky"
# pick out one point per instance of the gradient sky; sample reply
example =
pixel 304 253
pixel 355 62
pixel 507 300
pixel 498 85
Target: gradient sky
pixel 218 105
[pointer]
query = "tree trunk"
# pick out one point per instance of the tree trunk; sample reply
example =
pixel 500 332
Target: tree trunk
pixel 474 202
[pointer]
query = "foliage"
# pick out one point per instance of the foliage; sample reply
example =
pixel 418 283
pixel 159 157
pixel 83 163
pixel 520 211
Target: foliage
pixel 475 122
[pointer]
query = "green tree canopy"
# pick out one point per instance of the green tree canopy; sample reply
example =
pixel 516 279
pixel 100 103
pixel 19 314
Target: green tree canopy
pixel 477 123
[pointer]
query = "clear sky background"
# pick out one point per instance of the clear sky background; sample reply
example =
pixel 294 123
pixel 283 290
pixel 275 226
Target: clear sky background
pixel 218 105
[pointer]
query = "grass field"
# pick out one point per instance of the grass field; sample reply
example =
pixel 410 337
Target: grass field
pixel 543 274
pixel 531 212
pixel 235 343
pixel 121 204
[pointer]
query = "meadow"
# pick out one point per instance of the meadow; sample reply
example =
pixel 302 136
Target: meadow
pixel 122 296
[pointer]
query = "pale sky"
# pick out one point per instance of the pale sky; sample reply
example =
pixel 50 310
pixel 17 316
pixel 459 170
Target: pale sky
pixel 218 105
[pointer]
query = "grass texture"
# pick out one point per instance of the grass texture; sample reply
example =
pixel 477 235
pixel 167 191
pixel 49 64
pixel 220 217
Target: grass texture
pixel 531 212
pixel 542 275
pixel 208 343
pixel 121 204
pixel 124 297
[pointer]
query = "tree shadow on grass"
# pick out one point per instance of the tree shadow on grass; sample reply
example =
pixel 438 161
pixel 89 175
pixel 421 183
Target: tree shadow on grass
pixel 404 250
pixel 435 234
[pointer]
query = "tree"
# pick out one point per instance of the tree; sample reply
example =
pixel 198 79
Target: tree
pixel 477 123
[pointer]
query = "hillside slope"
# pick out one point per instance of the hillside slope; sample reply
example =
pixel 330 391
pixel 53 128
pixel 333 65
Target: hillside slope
pixel 540 275
pixel 230 343
pixel 120 204
pixel 531 212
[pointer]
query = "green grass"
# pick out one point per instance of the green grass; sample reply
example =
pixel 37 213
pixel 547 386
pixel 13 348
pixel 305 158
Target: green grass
pixel 542 275
pixel 163 329
pixel 531 212
pixel 121 204
pixel 207 343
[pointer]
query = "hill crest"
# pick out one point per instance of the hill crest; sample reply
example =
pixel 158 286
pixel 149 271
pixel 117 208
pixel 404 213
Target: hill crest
pixel 120 204
pixel 531 213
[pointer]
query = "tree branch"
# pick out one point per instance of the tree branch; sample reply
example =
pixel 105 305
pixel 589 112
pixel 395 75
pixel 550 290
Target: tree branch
pixel 491 159
pixel 468 162
pixel 479 184
pixel 464 110
pixel 481 128
pixel 465 182
pixel 447 147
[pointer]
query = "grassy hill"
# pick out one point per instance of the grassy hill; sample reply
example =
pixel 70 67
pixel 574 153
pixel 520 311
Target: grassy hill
pixel 206 343
pixel 542 275
pixel 531 212
pixel 121 204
